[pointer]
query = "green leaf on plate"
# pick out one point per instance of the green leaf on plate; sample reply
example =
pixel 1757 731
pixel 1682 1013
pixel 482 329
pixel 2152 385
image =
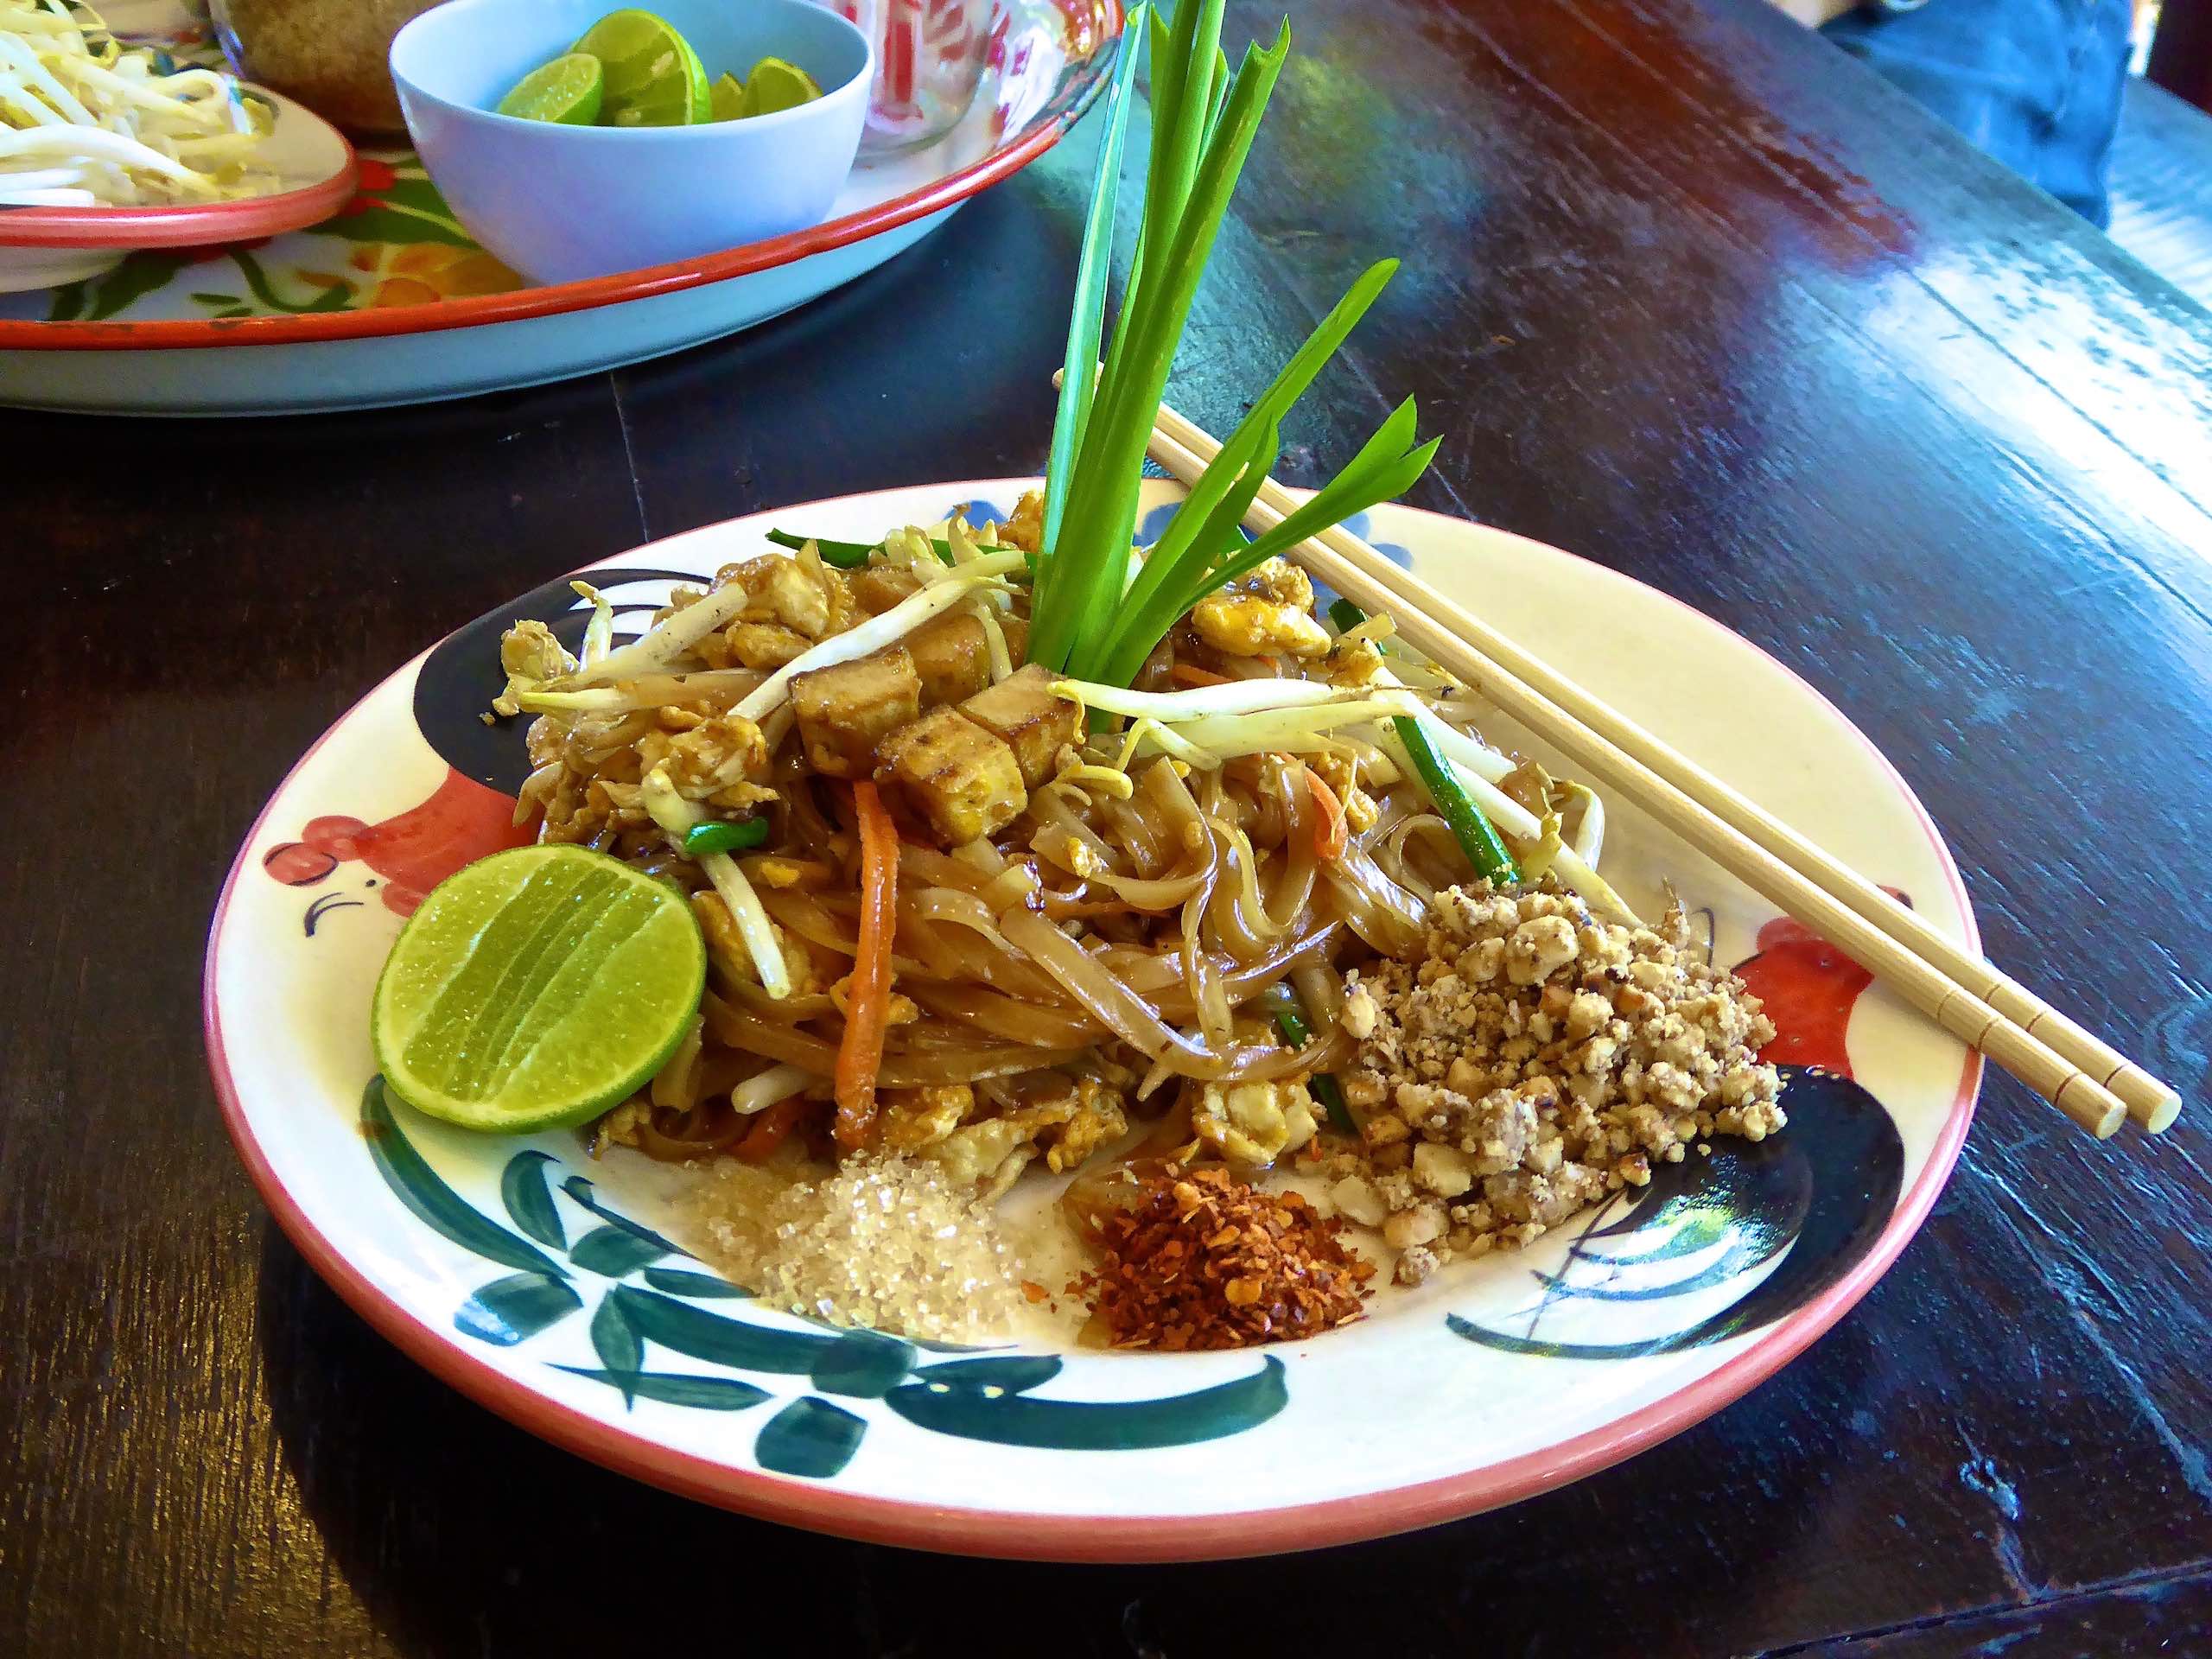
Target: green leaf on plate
pixel 702 1335
pixel 615 1342
pixel 511 1310
pixel 676 1389
pixel 864 1364
pixel 1085 1426
pixel 582 1191
pixel 1010 1374
pixel 139 274
pixel 418 1186
pixel 677 1282
pixel 612 1251
pixel 217 299
pixel 405 211
pixel 528 1201
pixel 810 1437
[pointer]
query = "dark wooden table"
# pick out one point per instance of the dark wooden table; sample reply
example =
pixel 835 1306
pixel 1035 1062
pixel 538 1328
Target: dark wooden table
pixel 1685 291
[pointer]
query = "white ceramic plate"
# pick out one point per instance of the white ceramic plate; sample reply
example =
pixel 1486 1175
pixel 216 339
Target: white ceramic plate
pixel 542 1284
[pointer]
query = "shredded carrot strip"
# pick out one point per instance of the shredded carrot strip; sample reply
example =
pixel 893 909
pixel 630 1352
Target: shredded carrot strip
pixel 1330 835
pixel 867 996
pixel 1191 674
pixel 770 1129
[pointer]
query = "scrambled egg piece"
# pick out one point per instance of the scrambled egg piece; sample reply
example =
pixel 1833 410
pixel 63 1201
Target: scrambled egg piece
pixel 725 949
pixel 914 1118
pixel 1099 1122
pixel 1254 1123
pixel 1267 611
pixel 530 656
pixel 1025 529
pixel 994 1151
pixel 712 756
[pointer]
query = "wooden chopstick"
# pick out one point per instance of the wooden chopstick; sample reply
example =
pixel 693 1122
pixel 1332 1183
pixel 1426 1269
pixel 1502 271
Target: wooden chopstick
pixel 2092 1084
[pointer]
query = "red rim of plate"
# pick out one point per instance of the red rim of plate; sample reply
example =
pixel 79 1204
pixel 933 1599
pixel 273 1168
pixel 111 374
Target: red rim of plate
pixel 184 225
pixel 1016 1535
pixel 476 310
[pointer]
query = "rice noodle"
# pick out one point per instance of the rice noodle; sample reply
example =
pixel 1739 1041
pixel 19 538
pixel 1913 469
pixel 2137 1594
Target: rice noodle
pixel 1115 1006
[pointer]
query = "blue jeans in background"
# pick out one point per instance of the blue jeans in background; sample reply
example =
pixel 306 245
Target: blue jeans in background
pixel 2034 83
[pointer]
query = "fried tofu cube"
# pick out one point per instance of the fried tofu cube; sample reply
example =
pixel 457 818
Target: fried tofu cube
pixel 1022 709
pixel 877 587
pixel 1016 630
pixel 952 657
pixel 845 710
pixel 962 779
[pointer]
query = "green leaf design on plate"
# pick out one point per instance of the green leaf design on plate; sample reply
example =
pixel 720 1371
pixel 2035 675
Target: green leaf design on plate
pixel 1086 1426
pixel 679 1281
pixel 508 1311
pixel 613 1252
pixel 810 1437
pixel 417 1186
pixel 99 298
pixel 864 1364
pixel 676 1389
pixel 408 210
pixel 582 1192
pixel 702 1335
pixel 616 1342
pixel 1011 1374
pixel 217 299
pixel 335 297
pixel 530 1201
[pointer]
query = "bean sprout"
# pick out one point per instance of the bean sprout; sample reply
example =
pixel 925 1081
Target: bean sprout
pixel 86 121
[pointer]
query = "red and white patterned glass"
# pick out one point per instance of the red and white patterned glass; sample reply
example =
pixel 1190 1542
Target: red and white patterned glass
pixel 929 60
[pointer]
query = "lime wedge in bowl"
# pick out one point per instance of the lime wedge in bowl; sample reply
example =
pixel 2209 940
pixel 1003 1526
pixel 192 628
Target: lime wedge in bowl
pixel 653 77
pixel 568 91
pixel 535 988
pixel 726 100
pixel 775 85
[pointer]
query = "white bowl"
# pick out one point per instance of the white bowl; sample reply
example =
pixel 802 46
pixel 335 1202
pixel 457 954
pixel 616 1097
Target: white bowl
pixel 562 204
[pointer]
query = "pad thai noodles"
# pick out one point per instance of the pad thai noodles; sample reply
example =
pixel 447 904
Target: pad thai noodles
pixel 1021 855
pixel 963 908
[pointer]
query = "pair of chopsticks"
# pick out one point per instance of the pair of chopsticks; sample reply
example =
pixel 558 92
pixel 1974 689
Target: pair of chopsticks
pixel 2093 1084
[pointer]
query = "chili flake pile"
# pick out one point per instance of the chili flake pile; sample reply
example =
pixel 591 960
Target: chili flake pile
pixel 1202 1259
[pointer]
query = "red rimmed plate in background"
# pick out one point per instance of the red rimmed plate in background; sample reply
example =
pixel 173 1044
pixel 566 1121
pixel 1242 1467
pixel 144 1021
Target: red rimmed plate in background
pixel 387 300
pixel 43 247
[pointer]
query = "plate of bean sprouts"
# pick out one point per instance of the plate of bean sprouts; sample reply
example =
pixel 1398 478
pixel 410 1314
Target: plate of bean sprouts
pixel 107 146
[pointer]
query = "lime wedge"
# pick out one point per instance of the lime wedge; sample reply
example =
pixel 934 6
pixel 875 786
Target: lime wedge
pixel 726 100
pixel 569 89
pixel 653 77
pixel 775 85
pixel 535 988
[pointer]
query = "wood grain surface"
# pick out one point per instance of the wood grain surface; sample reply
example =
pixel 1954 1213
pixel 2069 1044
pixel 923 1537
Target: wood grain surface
pixel 1686 291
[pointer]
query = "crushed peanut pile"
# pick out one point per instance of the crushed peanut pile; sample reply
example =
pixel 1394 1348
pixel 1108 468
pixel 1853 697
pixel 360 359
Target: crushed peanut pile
pixel 884 1242
pixel 1201 1259
pixel 1533 1060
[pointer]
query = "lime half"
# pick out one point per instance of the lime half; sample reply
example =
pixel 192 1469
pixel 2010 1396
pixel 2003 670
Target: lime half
pixel 569 91
pixel 653 77
pixel 775 85
pixel 535 988
pixel 726 98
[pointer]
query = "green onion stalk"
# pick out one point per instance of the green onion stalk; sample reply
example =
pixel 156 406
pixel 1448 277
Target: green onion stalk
pixel 1090 617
